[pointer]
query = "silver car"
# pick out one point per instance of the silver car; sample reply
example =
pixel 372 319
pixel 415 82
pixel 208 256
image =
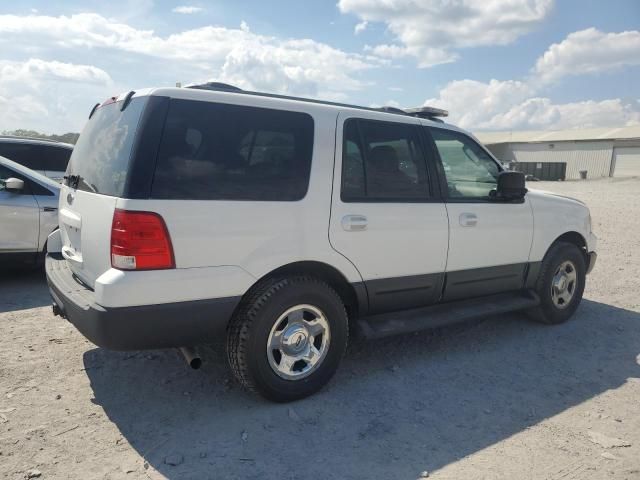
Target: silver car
pixel 28 214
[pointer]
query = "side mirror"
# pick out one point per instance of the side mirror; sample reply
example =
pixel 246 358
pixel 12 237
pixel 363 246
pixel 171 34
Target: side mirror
pixel 13 184
pixel 510 186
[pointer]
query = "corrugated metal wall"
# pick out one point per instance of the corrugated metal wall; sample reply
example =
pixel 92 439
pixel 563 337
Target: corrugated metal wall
pixel 594 157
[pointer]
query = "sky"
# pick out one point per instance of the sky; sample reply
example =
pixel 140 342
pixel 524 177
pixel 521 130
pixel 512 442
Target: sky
pixel 494 65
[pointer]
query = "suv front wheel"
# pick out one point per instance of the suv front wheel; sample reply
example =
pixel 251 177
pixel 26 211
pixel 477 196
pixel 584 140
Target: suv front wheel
pixel 288 337
pixel 560 283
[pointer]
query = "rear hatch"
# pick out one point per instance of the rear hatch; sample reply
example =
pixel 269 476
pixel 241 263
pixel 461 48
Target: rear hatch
pixel 96 176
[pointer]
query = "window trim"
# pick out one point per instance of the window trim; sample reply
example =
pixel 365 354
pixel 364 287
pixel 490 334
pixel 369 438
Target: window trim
pixel 442 177
pixel 430 196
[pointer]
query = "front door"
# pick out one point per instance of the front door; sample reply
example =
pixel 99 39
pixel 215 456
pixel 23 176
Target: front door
pixel 385 216
pixel 19 217
pixel 489 241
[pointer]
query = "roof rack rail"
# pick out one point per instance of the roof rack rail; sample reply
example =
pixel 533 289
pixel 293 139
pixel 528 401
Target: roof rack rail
pixel 389 109
pixel 218 86
pixel 430 113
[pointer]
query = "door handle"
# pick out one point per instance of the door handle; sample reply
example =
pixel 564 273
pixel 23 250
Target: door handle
pixel 468 219
pixel 354 223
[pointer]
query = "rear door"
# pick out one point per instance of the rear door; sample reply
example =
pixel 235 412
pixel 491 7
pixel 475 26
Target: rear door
pixel 97 174
pixel 489 241
pixel 386 216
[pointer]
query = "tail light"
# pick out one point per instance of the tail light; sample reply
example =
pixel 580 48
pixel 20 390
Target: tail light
pixel 140 241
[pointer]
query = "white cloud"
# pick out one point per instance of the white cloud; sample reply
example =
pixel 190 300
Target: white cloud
pixel 187 9
pixel 432 31
pixel 471 103
pixel 304 67
pixel 48 95
pixel 35 71
pixel 516 104
pixel 589 51
pixel 360 27
pixel 507 105
pixel 542 113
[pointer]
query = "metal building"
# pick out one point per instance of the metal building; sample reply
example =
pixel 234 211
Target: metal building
pixel 601 152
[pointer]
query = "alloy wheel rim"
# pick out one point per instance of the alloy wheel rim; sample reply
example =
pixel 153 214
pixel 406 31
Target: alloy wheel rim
pixel 563 284
pixel 298 342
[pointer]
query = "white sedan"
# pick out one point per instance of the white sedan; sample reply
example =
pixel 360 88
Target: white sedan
pixel 28 214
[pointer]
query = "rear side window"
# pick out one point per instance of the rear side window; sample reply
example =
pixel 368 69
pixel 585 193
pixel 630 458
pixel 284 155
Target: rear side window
pixel 101 156
pixel 383 162
pixel 212 151
pixel 55 158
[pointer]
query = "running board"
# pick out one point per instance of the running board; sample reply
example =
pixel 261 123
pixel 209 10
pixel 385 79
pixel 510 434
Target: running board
pixel 423 318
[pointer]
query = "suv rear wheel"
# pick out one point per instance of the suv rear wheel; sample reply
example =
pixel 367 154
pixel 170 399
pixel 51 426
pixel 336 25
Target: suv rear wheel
pixel 560 283
pixel 288 337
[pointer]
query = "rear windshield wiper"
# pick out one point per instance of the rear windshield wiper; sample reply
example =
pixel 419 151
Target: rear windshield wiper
pixel 72 180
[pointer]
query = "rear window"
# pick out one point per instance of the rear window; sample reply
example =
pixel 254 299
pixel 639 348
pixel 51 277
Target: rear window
pixel 212 151
pixel 101 156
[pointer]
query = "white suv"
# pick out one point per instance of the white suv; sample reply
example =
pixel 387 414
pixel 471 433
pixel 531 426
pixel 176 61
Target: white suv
pixel 190 214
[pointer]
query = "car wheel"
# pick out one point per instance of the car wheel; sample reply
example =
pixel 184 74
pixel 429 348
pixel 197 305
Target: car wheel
pixel 287 338
pixel 560 284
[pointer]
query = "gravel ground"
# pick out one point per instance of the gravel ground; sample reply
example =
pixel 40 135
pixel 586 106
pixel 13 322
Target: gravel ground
pixel 501 398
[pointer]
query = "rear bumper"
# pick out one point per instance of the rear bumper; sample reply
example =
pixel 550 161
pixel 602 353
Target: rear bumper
pixel 139 327
pixel 593 256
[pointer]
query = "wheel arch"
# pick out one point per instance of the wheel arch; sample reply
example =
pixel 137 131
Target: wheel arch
pixel 574 238
pixel 353 295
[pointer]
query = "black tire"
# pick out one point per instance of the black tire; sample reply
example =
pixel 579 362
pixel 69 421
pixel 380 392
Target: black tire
pixel 549 312
pixel 254 320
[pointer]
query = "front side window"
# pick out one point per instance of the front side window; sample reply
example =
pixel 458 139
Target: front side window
pixel 469 170
pixel 214 151
pixel 382 161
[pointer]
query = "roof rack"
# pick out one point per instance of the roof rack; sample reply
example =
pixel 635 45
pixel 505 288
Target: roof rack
pixel 217 86
pixel 429 113
pixel 388 109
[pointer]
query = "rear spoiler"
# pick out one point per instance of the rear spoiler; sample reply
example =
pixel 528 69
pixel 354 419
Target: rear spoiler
pixel 125 103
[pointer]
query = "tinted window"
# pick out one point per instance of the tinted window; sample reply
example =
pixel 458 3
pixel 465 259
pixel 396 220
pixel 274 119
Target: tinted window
pixel 37 156
pixel 212 151
pixel 469 170
pixel 55 158
pixel 24 154
pixel 382 161
pixel 101 156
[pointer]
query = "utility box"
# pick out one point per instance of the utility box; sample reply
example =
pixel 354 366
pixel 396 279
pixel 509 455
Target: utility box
pixel 542 170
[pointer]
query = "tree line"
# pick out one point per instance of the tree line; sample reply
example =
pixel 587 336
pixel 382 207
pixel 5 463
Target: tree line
pixel 69 137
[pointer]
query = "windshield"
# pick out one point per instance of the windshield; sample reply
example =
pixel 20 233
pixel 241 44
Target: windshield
pixel 101 157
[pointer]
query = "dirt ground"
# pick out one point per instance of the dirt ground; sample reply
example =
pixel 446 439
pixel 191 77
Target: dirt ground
pixel 503 398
